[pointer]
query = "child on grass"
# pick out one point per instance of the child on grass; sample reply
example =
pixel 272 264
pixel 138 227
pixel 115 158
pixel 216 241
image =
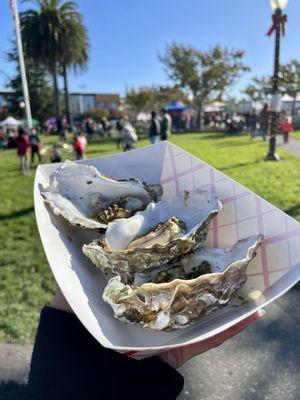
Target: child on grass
pixel 285 127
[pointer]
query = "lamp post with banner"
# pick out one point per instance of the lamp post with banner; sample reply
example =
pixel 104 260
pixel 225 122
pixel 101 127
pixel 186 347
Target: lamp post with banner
pixel 279 20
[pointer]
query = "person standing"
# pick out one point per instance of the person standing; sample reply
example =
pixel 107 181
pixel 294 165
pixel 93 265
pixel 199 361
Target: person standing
pixel 128 136
pixel 79 144
pixel 82 140
pixel 23 148
pixel 154 130
pixel 89 127
pixel 35 145
pixel 119 127
pixel 286 127
pixel 64 126
pixel 253 123
pixel 106 128
pixel 165 125
pixel 264 121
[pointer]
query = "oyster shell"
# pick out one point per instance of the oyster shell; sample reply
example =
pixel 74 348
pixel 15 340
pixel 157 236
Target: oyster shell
pixel 86 197
pixel 114 255
pixel 178 303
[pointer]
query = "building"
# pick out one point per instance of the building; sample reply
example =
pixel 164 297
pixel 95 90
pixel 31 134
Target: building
pixel 83 102
pixel 79 102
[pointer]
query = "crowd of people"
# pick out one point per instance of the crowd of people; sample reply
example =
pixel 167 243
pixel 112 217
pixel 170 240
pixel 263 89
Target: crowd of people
pixel 30 147
pixel 159 128
pixel 258 124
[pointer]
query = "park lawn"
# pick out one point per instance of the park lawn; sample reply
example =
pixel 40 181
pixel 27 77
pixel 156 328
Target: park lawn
pixel 296 135
pixel 26 282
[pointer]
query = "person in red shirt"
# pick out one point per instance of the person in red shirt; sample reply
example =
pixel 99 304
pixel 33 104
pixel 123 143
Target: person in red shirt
pixel 23 149
pixel 286 127
pixel 79 144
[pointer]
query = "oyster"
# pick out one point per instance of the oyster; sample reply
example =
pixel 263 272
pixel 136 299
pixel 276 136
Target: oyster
pixel 179 302
pixel 162 233
pixel 86 197
pixel 121 251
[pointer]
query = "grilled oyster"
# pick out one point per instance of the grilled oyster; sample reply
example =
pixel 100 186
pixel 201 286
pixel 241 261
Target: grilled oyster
pixel 86 197
pixel 122 252
pixel 179 302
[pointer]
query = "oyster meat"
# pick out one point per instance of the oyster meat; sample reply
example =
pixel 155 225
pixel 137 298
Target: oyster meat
pixel 87 198
pixel 162 233
pixel 151 238
pixel 217 274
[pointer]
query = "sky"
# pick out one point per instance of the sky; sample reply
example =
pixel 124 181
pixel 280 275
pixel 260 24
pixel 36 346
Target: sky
pixel 127 35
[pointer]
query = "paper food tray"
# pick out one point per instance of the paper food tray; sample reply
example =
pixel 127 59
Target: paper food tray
pixel 275 269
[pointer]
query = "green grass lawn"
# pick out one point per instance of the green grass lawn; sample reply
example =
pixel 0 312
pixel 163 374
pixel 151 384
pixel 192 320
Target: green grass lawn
pixel 296 135
pixel 26 282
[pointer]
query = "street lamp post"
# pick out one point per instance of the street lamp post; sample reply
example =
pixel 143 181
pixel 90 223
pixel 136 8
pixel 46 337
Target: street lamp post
pixel 279 21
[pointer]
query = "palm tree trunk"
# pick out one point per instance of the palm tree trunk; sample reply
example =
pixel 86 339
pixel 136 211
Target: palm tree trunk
pixel 67 105
pixel 56 94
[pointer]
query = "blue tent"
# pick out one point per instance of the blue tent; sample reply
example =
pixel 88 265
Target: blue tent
pixel 177 105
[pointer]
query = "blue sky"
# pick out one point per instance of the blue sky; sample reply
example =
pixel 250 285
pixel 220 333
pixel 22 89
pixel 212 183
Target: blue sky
pixel 126 35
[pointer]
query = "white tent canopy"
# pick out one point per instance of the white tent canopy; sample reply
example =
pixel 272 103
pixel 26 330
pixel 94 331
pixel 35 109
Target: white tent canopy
pixel 286 97
pixel 142 116
pixel 216 106
pixel 10 122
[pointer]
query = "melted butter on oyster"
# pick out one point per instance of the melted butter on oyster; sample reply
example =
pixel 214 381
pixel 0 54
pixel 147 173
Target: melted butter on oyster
pixel 161 234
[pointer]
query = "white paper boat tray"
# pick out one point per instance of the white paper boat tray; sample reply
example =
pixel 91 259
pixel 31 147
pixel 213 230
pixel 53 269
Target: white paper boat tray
pixel 275 269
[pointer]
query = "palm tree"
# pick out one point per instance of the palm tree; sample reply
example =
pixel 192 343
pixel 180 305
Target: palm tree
pixel 74 53
pixel 54 36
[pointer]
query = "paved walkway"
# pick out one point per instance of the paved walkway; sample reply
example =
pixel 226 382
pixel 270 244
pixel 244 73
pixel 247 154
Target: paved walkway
pixel 261 363
pixel 292 147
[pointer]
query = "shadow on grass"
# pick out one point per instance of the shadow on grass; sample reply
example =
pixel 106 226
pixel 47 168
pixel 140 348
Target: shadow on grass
pixel 218 135
pixel 12 391
pixel 231 143
pixel 96 151
pixel 17 214
pixel 238 165
pixel 293 211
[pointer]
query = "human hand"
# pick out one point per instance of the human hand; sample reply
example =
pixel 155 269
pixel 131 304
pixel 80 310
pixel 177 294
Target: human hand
pixel 177 357
pixel 60 303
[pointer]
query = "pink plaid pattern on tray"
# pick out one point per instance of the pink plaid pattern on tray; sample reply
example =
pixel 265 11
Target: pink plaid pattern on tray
pixel 244 213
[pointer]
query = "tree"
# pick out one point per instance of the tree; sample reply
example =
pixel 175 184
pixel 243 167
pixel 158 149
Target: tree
pixel 142 99
pixel 74 52
pixel 207 75
pixel 165 95
pixel 153 98
pixel 52 38
pixel 40 90
pixel 290 80
pixel 259 89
